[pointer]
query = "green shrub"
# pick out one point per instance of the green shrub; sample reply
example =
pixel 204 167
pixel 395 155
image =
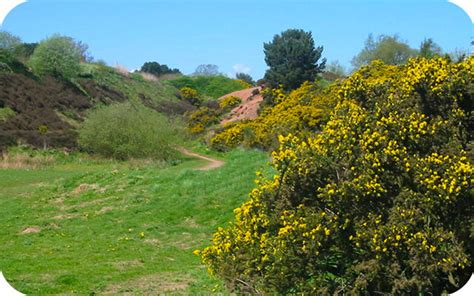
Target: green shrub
pixel 379 201
pixel 125 131
pixel 6 113
pixel 58 56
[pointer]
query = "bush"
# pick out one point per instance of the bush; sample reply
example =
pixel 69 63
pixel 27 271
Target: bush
pixel 58 56
pixel 378 202
pixel 125 131
pixel 190 95
pixel 230 102
pixel 200 119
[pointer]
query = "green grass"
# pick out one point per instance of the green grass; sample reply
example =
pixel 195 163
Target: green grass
pixel 132 229
pixel 132 86
pixel 208 86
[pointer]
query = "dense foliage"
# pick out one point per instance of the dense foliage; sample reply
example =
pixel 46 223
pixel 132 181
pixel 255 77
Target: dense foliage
pixel 157 69
pixel 125 131
pixel 58 56
pixel 292 59
pixel 388 49
pixel 379 201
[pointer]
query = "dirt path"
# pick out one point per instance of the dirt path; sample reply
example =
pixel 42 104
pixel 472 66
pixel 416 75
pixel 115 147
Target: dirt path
pixel 213 163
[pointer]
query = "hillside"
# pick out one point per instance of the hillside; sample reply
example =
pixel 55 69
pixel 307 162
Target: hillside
pixel 59 106
pixel 210 87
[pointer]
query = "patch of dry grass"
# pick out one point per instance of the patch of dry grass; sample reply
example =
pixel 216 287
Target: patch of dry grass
pixel 24 161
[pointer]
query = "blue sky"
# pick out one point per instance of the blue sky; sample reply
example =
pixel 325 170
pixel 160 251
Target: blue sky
pixel 230 33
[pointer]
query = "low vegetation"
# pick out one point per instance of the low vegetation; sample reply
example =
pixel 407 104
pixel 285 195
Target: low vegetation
pixel 91 226
pixel 124 131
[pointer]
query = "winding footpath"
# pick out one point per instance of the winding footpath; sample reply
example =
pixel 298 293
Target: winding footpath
pixel 212 163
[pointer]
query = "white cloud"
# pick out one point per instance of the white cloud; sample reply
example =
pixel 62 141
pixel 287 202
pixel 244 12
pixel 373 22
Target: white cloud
pixel 240 68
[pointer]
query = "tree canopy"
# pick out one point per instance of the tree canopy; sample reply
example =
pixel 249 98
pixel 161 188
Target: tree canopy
pixel 292 59
pixel 156 69
pixel 206 70
pixel 388 49
pixel 59 56
pixel 8 41
pixel 429 49
pixel 245 77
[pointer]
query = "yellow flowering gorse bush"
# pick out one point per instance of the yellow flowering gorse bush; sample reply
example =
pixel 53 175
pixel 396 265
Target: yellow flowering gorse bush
pixel 380 200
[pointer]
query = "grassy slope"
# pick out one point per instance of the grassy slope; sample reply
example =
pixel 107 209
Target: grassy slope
pixel 100 248
pixel 132 85
pixel 208 86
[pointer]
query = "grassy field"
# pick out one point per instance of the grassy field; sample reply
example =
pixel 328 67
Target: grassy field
pixel 103 227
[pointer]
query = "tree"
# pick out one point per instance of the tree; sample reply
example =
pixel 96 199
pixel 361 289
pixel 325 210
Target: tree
pixel 157 69
pixel 83 49
pixel 292 59
pixel 458 55
pixel 206 70
pixel 245 77
pixel 429 49
pixel 9 41
pixel 336 68
pixel 389 49
pixel 58 56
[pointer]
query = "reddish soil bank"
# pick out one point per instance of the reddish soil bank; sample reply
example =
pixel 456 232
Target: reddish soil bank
pixel 249 107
